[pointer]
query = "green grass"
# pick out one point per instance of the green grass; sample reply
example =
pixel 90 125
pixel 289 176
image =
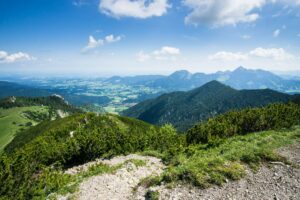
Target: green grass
pixel 203 166
pixel 152 195
pixel 13 120
pixel 137 162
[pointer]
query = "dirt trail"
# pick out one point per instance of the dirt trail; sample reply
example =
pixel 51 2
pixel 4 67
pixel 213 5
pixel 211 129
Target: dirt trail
pixel 119 185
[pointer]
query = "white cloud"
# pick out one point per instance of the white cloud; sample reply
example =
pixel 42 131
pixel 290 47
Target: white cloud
pixel 276 33
pixel 228 56
pixel 298 35
pixel 112 38
pixel 278 54
pixel 134 8
pixel 166 50
pixel 273 53
pixel 94 43
pixel 164 53
pixel 3 55
pixel 222 12
pixel 218 13
pixel 15 57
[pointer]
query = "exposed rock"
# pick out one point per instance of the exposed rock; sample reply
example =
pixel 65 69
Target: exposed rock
pixel 119 185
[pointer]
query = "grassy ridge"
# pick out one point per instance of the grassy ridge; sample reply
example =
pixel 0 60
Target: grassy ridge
pixel 55 148
pixel 202 165
pixel 13 120
pixel 19 113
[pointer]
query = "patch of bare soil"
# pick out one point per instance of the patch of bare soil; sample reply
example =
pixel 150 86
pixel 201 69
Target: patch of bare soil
pixel 119 185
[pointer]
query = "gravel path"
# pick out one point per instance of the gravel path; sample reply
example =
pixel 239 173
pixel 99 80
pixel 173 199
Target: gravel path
pixel 119 185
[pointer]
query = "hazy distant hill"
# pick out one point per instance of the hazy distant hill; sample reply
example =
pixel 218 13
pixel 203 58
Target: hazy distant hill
pixel 241 78
pixel 184 109
pixel 8 89
pixel 133 80
pixel 13 89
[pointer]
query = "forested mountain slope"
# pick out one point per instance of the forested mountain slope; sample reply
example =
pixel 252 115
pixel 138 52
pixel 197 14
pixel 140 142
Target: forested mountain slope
pixel 183 109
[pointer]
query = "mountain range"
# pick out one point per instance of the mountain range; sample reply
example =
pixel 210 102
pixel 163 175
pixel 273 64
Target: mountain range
pixel 240 78
pixel 184 109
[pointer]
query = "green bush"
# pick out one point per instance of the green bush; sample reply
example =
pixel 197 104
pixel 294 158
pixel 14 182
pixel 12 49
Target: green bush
pixel 274 116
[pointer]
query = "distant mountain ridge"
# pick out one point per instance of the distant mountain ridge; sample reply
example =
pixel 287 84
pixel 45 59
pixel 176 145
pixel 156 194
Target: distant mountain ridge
pixel 184 109
pixel 8 89
pixel 55 102
pixel 240 78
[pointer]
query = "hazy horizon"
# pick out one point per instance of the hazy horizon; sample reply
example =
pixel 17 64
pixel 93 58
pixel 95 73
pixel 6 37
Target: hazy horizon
pixel 122 74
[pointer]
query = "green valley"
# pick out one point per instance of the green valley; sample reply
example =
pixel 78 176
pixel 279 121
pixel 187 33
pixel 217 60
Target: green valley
pixel 15 119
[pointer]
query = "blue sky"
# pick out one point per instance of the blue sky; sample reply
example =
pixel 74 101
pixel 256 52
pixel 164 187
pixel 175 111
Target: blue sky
pixel 109 37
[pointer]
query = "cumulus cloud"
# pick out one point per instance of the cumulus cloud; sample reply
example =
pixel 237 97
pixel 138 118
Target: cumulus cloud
pixel 273 53
pixel 278 54
pixel 164 53
pixel 166 50
pixel 94 43
pixel 228 56
pixel 112 38
pixel 134 8
pixel 222 12
pixel 15 57
pixel 276 33
pixel 218 13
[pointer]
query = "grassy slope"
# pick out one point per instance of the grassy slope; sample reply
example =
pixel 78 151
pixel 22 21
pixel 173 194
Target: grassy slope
pixel 8 116
pixel 203 166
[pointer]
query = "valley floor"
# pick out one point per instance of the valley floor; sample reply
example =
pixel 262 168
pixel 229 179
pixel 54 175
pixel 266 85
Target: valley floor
pixel 274 180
